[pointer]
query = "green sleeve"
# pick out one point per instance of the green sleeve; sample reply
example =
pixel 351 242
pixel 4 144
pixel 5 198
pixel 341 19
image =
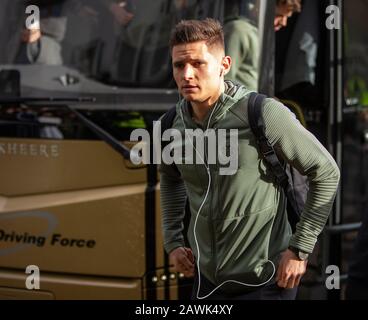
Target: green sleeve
pixel 303 151
pixel 173 199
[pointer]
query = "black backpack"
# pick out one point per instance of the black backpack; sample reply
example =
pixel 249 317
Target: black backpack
pixel 293 183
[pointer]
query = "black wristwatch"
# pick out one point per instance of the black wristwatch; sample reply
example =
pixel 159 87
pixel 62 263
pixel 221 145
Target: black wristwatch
pixel 302 256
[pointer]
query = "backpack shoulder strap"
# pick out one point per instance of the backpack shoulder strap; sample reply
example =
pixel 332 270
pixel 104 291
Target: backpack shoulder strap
pixel 166 123
pixel 168 119
pixel 256 122
pixel 255 118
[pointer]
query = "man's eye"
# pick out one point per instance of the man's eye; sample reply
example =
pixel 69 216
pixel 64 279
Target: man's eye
pixel 197 64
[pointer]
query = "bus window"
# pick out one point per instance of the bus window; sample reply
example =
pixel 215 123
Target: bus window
pixel 142 51
pixel 355 113
pixel 297 47
pixel 90 48
pixel 128 43
pixel 124 43
pixel 300 68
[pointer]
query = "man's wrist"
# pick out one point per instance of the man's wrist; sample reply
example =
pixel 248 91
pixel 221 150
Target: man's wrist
pixel 301 255
pixel 169 247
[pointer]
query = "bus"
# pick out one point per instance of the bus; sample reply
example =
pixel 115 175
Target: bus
pixel 78 76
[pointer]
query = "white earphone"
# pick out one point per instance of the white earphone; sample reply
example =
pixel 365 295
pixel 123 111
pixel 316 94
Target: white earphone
pixel 200 209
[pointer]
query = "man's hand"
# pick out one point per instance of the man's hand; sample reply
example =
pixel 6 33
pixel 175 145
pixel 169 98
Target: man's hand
pixel 290 270
pixel 183 261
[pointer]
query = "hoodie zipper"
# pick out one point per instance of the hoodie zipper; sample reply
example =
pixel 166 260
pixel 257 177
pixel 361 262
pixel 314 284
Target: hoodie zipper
pixel 211 226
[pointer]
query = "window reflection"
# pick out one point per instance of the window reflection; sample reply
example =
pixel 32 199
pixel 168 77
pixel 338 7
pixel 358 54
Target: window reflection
pixel 356 44
pixel 122 42
pixel 242 41
pixel 355 128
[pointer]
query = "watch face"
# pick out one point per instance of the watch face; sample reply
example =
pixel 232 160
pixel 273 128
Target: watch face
pixel 303 256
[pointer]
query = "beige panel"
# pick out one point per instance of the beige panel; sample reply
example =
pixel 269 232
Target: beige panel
pixel 160 292
pixel 160 262
pixel 12 286
pixel 23 294
pixel 112 218
pixel 174 293
pixel 34 166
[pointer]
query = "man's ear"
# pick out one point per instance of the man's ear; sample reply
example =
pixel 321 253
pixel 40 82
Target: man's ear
pixel 226 65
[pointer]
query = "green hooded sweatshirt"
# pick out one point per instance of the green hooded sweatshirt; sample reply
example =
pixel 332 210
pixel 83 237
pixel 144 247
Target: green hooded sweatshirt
pixel 243 224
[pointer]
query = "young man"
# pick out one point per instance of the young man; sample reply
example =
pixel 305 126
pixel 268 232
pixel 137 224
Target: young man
pixel 241 246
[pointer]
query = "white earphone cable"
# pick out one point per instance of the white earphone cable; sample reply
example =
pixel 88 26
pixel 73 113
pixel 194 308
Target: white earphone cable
pixel 200 209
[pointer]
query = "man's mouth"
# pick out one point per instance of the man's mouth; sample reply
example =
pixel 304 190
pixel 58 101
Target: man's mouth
pixel 188 88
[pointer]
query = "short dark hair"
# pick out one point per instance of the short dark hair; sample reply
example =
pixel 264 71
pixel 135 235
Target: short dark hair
pixel 208 30
pixel 295 4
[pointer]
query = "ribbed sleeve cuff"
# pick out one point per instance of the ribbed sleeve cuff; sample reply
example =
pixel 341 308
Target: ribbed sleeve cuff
pixel 302 245
pixel 173 245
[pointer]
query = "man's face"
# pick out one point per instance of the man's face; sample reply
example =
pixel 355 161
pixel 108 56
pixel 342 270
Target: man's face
pixel 198 72
pixel 283 13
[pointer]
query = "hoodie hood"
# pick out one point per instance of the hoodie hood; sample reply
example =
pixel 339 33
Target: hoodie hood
pixel 232 94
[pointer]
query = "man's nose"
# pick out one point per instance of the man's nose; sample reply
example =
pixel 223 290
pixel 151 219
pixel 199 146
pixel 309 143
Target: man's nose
pixel 188 72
